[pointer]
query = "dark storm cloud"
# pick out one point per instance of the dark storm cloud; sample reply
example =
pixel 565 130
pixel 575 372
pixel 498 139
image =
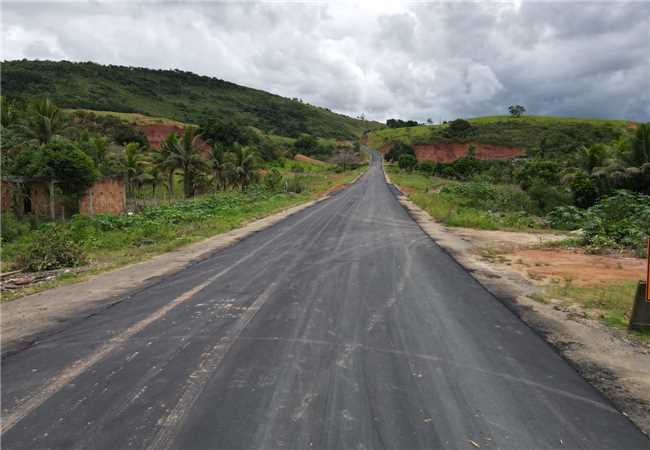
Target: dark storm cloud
pixel 440 60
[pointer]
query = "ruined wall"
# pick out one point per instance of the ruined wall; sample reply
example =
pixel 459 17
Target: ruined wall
pixel 444 153
pixel 105 196
pixel 6 195
pixel 40 198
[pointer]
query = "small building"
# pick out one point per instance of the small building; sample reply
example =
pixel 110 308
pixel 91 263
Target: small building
pixel 40 197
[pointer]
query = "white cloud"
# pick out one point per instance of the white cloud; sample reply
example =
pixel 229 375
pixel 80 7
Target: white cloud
pixel 441 60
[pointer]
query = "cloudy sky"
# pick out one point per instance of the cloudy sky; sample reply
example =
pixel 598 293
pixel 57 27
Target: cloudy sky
pixel 385 59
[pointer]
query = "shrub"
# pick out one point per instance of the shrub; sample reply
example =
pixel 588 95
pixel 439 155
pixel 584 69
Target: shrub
pixel 11 228
pixel 407 162
pixel 546 196
pixel 566 217
pixel 584 190
pixel 427 167
pixel 51 248
pixel 620 220
pixel 542 171
pixel 296 184
pixel 273 180
pixel 397 150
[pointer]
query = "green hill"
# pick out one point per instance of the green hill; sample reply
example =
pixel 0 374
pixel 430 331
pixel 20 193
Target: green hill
pixel 175 94
pixel 562 134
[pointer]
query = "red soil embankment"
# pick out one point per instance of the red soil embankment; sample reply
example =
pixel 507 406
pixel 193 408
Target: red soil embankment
pixel 156 133
pixel 445 153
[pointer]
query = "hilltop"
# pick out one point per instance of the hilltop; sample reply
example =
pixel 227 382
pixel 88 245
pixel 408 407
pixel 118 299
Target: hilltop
pixel 178 95
pixel 528 133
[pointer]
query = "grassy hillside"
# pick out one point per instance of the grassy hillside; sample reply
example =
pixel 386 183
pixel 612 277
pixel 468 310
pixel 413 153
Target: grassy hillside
pixel 528 132
pixel 182 96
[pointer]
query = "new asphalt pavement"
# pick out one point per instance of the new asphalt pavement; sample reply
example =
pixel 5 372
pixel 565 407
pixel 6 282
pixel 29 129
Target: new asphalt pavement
pixel 341 327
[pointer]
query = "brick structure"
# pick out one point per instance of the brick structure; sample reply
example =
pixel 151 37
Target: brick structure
pixel 107 195
pixel 34 196
pixel 445 153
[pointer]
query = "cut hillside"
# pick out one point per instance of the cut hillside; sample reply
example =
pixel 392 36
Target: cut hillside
pixel 496 136
pixel 182 96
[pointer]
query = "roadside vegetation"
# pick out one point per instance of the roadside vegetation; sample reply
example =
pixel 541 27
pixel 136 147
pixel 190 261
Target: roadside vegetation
pixel 597 189
pixel 200 182
pixel 589 179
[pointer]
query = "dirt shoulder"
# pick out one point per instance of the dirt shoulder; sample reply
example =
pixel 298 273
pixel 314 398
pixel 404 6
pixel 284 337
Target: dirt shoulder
pixel 517 269
pixel 27 319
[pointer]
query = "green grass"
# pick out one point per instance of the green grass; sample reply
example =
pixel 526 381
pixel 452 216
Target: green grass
pixel 613 302
pixel 132 118
pixel 458 210
pixel 562 134
pixel 181 96
pixel 113 241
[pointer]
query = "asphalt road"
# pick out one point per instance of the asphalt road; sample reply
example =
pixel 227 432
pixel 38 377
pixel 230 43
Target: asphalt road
pixel 342 327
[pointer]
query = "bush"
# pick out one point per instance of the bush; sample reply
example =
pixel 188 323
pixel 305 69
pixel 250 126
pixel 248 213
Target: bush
pixel 543 171
pixel 584 190
pixel 547 196
pixel 427 167
pixel 486 196
pixel 620 220
pixel 407 162
pixel 51 248
pixel 11 228
pixel 273 180
pixel 566 217
pixel 296 184
pixel 397 150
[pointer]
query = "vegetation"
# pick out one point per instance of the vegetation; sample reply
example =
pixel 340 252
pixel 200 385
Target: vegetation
pixel 174 94
pixel 553 137
pixel 220 164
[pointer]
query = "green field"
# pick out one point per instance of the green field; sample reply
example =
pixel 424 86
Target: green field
pixel 527 132
pixel 178 95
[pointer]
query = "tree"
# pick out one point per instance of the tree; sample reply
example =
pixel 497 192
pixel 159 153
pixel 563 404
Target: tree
pixel 62 161
pixel 43 121
pixel 641 146
pixel 516 110
pixel 185 154
pixel 227 132
pixel 306 144
pixel 7 112
pixel 397 150
pixel 459 128
pixel 592 157
pixel 218 163
pixel 135 163
pixel 240 166
pixel 166 162
pixel 397 123
pixel 407 162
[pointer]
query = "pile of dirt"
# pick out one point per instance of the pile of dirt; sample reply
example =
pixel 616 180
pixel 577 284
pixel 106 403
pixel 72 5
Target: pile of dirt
pixel 307 159
pixel 445 153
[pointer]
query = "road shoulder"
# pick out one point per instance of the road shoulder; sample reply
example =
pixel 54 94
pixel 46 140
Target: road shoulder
pixel 28 319
pixel 605 357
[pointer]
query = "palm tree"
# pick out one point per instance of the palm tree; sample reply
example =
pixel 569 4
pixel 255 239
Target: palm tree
pixel 7 112
pixel 134 164
pixel 185 154
pixel 240 165
pixel 155 176
pixel 44 121
pixel 164 161
pixel 218 163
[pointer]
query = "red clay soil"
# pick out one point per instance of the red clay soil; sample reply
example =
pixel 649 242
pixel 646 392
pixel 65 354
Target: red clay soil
pixel 156 133
pixel 444 153
pixel 307 159
pixel 583 269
